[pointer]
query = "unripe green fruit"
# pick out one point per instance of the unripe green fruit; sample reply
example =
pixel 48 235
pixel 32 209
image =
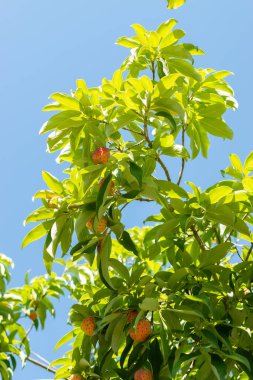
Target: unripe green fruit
pixel 83 363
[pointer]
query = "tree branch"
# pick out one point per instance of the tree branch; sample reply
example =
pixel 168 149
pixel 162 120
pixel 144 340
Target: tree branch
pixel 41 358
pixel 39 364
pixel 183 160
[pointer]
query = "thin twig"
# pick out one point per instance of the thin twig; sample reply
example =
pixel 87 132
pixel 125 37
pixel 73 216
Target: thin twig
pixel 238 253
pixel 249 252
pixel 217 235
pixel 162 164
pixel 153 70
pixel 183 160
pixel 39 364
pixel 158 158
pixel 136 144
pixel 132 131
pixel 143 200
pixel 189 370
pixel 198 238
pixel 232 231
pixel 41 358
pixel 26 335
pixel 136 199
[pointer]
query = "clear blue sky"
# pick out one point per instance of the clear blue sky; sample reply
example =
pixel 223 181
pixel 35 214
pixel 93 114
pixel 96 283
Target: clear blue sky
pixel 45 46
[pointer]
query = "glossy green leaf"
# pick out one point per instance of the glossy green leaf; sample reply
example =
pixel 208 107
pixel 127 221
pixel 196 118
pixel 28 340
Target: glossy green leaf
pixel 37 233
pixel 149 304
pixel 52 182
pixel 62 120
pixel 104 261
pixel 217 127
pixel 173 4
pixel 118 334
pixel 66 338
pixel 185 68
pixel 126 241
pixel 215 254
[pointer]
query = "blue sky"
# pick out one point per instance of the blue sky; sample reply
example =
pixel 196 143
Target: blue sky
pixel 45 46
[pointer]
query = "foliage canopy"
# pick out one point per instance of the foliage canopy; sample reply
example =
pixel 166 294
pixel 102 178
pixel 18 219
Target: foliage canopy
pixel 187 273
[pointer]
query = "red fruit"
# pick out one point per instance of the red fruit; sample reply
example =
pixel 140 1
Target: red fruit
pixel 131 315
pixel 142 331
pixel 76 376
pixel 143 374
pixel 101 155
pixel 88 325
pixel 101 226
pixel 111 189
pixel 33 315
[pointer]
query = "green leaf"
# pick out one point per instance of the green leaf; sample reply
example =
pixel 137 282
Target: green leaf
pixel 52 182
pixel 118 335
pixel 128 42
pixel 163 229
pixel 104 260
pixel 239 358
pixel 149 304
pixel 67 101
pixel 66 338
pixel 212 110
pixel 37 233
pixel 219 192
pixel 120 268
pixel 215 254
pixel 165 105
pixel 185 68
pixel 217 127
pixel 166 27
pixel 156 358
pixel 248 184
pixel 41 213
pixel 56 234
pixel 236 162
pixel 176 150
pixel 66 236
pixel 177 52
pixel 166 141
pixel 219 366
pixel 47 258
pixel 172 190
pixel 224 215
pixel 136 171
pixel 63 120
pixel 103 194
pixel 173 4
pixel 177 277
pixel 248 164
pixel 185 312
pixel 171 38
pixel 126 241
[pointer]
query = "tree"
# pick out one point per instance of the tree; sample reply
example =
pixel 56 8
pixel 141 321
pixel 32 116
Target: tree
pixel 172 299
